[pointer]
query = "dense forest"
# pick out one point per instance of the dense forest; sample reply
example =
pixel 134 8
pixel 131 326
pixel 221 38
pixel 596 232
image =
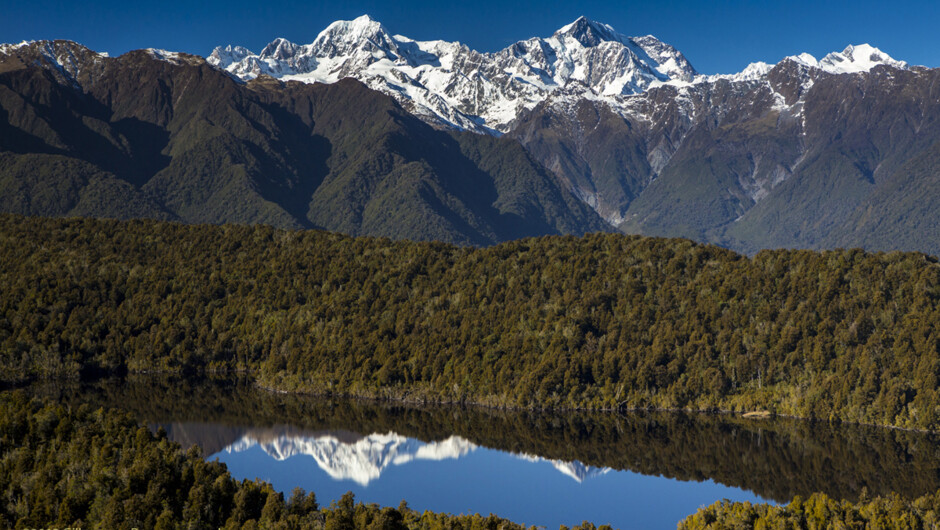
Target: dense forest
pixel 600 321
pixel 76 467
pixel 777 458
pixel 820 511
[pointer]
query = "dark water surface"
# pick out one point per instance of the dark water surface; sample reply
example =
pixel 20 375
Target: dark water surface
pixel 638 470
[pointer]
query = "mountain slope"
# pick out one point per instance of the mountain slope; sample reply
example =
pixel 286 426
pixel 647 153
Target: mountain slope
pixel 808 153
pixel 796 156
pixel 155 134
pixel 776 155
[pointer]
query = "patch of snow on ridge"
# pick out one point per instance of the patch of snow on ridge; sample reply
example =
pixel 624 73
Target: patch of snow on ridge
pixel 173 57
pixel 163 55
pixel 753 72
pixel 66 57
pixel 7 48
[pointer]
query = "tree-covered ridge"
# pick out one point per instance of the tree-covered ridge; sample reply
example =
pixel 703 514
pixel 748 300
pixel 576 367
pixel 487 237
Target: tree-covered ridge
pixel 601 321
pixel 78 467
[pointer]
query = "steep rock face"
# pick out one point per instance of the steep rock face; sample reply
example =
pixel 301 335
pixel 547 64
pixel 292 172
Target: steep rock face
pixel 619 162
pixel 160 134
pixel 450 84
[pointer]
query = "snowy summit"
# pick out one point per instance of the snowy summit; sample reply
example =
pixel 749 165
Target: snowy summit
pixel 452 85
pixel 463 88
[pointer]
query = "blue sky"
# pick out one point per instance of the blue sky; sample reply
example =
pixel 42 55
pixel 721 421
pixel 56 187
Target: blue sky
pixel 717 36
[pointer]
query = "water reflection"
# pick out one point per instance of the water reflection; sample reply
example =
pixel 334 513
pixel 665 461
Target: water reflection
pixel 458 476
pixel 361 459
pixel 776 459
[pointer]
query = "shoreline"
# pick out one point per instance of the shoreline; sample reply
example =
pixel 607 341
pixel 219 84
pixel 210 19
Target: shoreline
pixel 753 415
pixel 749 415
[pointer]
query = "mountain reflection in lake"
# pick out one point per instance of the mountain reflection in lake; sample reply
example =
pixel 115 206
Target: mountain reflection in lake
pixel 635 470
pixel 359 460
pixel 455 475
pixel 344 456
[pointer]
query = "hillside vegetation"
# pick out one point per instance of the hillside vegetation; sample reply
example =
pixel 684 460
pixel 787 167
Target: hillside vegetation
pixel 820 511
pixel 601 321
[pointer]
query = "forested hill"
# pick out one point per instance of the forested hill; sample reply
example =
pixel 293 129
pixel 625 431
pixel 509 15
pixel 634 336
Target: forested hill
pixel 599 321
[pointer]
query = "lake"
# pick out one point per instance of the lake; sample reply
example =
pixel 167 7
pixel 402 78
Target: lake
pixel 636 470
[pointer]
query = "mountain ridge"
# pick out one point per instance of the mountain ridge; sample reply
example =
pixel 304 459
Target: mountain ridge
pixel 446 81
pixel 583 59
pixel 806 153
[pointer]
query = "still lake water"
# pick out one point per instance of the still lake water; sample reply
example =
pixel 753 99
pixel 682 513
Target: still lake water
pixel 457 476
pixel 643 470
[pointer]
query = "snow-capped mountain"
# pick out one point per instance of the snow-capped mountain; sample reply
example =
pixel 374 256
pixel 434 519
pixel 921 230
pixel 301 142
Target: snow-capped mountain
pixel 364 460
pixel 658 121
pixel 789 154
pixel 852 60
pixel 454 85
pixel 450 84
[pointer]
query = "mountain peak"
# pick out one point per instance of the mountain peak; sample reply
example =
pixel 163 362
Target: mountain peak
pixel 64 57
pixel 48 47
pixel 223 56
pixel 588 32
pixel 580 21
pixel 450 84
pixel 853 59
pixel 360 27
pixel 279 48
pixel 858 58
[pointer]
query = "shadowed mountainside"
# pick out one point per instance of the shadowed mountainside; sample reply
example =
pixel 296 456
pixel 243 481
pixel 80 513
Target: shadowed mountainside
pixel 146 135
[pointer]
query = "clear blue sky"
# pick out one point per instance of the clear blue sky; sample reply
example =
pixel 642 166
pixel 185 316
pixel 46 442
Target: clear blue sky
pixel 717 36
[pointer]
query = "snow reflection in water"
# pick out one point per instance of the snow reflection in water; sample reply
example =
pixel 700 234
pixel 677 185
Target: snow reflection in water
pixel 458 476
